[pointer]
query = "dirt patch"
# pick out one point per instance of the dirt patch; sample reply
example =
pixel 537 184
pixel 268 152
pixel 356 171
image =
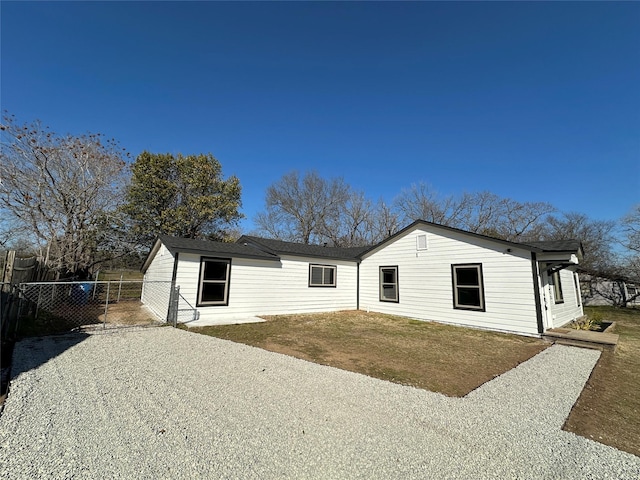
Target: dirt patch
pixel 608 409
pixel 441 358
pixel 128 312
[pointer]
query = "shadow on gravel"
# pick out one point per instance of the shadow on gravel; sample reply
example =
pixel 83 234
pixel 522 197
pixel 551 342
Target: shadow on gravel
pixel 34 351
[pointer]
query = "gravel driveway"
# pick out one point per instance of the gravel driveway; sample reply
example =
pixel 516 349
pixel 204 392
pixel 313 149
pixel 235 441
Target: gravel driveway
pixel 165 403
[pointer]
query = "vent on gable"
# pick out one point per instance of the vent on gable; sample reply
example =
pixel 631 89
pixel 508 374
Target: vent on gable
pixel 421 242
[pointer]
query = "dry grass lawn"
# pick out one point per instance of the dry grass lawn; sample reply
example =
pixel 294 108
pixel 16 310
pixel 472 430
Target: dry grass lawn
pixel 115 275
pixel 608 410
pixel 441 358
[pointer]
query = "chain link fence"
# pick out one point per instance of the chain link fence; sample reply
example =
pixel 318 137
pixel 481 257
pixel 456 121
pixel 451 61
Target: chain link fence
pixel 52 307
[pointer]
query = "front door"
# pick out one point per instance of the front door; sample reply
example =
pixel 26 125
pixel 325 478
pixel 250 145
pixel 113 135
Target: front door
pixel 547 301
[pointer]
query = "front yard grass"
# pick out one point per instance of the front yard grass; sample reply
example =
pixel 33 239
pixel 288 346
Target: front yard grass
pixel 440 358
pixel 608 409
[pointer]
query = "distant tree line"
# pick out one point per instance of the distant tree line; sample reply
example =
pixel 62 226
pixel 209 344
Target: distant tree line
pixel 78 202
pixel 310 209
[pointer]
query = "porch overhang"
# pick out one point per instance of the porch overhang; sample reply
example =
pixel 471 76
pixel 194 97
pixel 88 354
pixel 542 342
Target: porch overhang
pixel 554 263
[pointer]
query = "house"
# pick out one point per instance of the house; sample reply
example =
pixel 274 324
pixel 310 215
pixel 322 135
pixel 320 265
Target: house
pixel 226 282
pixel 432 272
pixel 425 271
pixel 617 290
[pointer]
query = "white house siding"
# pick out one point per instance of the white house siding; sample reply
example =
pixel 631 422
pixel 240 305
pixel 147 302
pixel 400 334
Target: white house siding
pixel 263 287
pixel 425 283
pixel 571 308
pixel 157 283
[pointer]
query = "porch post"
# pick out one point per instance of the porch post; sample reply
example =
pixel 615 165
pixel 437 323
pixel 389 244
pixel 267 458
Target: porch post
pixel 536 291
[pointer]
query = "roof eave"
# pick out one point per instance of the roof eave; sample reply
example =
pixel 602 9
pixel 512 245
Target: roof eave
pixel 199 251
pixel 150 256
pixel 255 242
pixel 414 224
pixel 172 247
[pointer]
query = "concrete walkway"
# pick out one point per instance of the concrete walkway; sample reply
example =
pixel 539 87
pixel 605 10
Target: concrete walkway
pixel 166 403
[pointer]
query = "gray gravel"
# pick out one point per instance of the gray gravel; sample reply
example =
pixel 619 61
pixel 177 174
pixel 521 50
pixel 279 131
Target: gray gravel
pixel 164 403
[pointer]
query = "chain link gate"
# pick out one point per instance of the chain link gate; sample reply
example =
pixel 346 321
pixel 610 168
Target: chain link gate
pixel 62 306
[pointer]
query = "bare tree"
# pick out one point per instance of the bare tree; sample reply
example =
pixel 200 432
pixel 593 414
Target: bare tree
pixel 384 222
pixel 56 188
pixel 362 223
pixel 631 230
pixel 596 237
pixel 269 224
pixel 481 212
pixel 301 208
pixel 311 209
pixel 524 221
pixel 630 261
pixel 421 202
pixel 489 214
pixel 614 289
pixel 350 226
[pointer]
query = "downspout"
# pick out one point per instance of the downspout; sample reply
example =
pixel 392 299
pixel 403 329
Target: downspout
pixel 174 274
pixel 358 286
pixel 536 291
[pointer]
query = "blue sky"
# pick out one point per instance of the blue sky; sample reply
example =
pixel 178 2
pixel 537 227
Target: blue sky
pixel 533 101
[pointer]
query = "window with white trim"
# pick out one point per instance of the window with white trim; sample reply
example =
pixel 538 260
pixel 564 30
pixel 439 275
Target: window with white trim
pixel 389 284
pixel 576 282
pixel 468 287
pixel 556 286
pixel 322 275
pixel 213 287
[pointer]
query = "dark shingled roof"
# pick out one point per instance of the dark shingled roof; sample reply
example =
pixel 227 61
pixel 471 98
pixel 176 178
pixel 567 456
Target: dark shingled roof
pixel 551 246
pixel 279 247
pixel 556 245
pixel 191 245
pixel 269 249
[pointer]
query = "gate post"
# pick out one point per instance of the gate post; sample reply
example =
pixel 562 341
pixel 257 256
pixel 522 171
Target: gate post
pixel 174 299
pixel 106 305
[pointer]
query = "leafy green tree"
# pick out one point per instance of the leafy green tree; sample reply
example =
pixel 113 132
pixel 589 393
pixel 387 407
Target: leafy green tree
pixel 185 196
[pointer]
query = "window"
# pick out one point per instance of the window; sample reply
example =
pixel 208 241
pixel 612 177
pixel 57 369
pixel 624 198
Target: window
pixel 556 284
pixel 389 284
pixel 576 282
pixel 322 275
pixel 468 290
pixel 213 288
